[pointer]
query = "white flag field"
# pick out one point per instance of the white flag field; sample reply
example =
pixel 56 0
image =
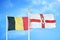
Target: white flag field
pixel 42 21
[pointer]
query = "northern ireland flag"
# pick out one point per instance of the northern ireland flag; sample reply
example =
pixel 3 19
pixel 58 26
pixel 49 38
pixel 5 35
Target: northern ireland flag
pixel 42 21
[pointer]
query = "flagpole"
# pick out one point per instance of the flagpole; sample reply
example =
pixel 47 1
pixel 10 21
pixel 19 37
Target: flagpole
pixel 28 24
pixel 6 26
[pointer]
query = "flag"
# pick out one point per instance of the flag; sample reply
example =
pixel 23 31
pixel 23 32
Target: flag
pixel 42 21
pixel 17 23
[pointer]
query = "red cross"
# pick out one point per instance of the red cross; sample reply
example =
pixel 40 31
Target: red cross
pixel 42 20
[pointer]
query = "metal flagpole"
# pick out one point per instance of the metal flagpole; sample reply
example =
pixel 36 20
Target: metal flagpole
pixel 6 26
pixel 28 24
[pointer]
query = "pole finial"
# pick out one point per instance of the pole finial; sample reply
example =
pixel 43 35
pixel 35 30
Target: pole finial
pixel 6 13
pixel 28 9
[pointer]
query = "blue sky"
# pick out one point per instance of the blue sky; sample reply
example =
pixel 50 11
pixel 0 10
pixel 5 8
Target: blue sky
pixel 19 8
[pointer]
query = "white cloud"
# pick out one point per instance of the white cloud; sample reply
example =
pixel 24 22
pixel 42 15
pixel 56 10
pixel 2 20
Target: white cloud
pixel 38 2
pixel 35 2
pixel 44 3
pixel 35 7
pixel 58 0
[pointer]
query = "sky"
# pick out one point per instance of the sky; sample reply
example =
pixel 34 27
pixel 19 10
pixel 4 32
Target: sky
pixel 19 8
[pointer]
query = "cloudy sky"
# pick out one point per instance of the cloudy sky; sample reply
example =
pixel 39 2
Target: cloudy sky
pixel 19 8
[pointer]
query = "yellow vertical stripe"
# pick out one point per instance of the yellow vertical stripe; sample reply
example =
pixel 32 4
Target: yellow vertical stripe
pixel 19 23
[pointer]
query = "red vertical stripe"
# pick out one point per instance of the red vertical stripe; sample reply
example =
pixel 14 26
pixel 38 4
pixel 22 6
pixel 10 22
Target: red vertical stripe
pixel 25 23
pixel 43 25
pixel 42 18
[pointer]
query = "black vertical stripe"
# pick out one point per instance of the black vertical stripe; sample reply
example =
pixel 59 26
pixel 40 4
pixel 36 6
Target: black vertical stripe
pixel 11 23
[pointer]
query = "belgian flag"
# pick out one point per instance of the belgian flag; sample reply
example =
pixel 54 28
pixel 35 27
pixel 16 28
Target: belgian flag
pixel 17 23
